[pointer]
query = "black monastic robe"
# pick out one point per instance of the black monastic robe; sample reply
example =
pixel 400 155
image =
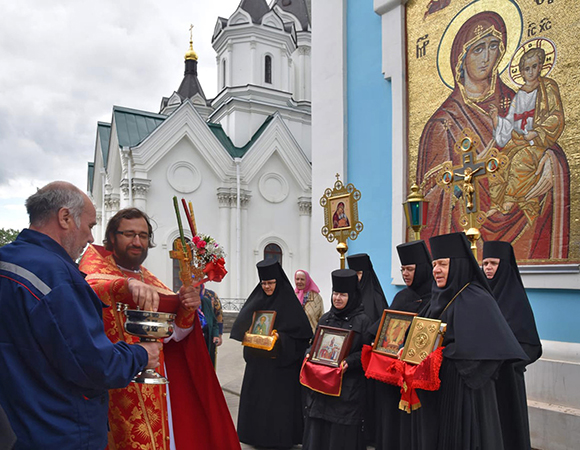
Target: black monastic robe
pixel 270 411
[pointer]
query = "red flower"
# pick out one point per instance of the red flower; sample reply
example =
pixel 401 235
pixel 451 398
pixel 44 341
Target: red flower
pixel 202 244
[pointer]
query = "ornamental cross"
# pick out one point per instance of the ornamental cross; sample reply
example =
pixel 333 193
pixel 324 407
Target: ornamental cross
pixel 471 170
pixel 465 175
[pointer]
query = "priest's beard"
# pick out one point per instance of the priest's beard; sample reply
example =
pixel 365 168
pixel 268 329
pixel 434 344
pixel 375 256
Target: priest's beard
pixel 128 260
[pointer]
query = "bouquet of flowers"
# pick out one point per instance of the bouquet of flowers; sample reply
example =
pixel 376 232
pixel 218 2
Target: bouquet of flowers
pixel 208 257
pixel 201 258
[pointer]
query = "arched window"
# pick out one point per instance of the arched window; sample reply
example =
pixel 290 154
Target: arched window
pixel 268 69
pixel 223 73
pixel 273 251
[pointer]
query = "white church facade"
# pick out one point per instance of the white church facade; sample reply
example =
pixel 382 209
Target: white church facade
pixel 243 158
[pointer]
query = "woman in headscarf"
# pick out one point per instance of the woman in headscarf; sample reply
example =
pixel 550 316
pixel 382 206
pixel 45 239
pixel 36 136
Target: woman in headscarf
pixel 335 423
pixel 463 413
pixel 476 53
pixel 309 295
pixel 270 412
pixel 417 275
pixel 394 427
pixel 501 269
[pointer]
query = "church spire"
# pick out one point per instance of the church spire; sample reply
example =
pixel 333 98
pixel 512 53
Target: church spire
pixel 190 86
pixel 190 54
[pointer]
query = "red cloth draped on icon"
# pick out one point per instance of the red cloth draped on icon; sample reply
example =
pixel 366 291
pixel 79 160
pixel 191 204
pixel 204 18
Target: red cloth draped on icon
pixel 324 379
pixel 408 377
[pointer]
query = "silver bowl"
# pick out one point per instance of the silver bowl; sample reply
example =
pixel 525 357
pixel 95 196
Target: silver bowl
pixel 149 326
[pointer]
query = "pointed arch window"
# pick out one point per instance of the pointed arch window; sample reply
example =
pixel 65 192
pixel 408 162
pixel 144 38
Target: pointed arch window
pixel 273 251
pixel 268 69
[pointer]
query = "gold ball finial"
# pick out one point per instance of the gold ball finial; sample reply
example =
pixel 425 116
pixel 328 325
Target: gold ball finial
pixel 190 54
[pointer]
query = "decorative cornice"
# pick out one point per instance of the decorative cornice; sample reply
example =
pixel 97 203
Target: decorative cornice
pixel 141 187
pixel 384 6
pixel 305 206
pixel 228 197
pixel 112 202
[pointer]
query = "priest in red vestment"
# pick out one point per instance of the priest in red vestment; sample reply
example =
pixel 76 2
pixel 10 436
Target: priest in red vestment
pixel 188 413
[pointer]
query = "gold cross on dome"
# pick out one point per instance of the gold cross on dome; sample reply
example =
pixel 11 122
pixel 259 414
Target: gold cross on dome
pixel 191 32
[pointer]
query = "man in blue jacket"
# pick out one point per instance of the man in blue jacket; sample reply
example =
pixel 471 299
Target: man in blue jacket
pixel 56 360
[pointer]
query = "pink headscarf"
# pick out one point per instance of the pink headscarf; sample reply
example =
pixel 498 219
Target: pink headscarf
pixel 310 286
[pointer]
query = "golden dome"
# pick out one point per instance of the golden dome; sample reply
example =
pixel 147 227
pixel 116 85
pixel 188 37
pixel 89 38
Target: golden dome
pixel 190 54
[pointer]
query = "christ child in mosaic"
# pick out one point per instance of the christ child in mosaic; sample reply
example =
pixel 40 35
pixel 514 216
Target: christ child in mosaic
pixel 533 124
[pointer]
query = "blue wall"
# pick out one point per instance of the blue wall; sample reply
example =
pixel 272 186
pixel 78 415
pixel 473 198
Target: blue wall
pixel 369 169
pixel 557 312
pixel 369 137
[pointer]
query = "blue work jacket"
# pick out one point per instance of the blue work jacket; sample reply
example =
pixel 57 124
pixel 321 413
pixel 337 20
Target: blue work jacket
pixel 57 363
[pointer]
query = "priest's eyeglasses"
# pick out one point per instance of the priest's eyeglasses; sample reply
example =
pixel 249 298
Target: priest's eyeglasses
pixel 129 234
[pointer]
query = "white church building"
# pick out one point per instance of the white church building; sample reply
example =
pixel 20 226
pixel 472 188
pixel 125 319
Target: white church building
pixel 242 158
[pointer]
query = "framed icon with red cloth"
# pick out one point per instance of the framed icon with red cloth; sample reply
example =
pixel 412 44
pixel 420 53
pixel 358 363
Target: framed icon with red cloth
pixel 331 345
pixel 425 336
pixel 392 332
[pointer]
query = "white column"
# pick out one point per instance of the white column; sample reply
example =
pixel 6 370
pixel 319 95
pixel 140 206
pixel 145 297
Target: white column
pixel 328 127
pixel 255 65
pixel 305 207
pixel 283 69
pixel 223 238
pixel 140 189
pixel 247 270
pixel 392 14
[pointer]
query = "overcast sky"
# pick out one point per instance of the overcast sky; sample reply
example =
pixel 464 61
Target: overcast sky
pixel 65 63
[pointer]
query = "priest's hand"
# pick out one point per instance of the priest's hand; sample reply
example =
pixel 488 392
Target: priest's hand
pixel 217 341
pixel 344 365
pixel 189 297
pixel 144 296
pixel 153 349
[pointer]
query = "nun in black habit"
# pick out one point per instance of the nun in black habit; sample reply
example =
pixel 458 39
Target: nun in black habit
pixel 417 274
pixel 394 428
pixel 336 423
pixel 373 297
pixel 503 276
pixel 463 413
pixel 270 412
pixel 374 302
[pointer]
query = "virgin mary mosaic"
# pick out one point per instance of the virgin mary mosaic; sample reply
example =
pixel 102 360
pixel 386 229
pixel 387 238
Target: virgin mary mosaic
pixel 492 76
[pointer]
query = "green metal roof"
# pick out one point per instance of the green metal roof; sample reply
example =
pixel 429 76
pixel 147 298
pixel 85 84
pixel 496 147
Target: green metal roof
pixel 237 152
pixel 104 132
pixel 133 126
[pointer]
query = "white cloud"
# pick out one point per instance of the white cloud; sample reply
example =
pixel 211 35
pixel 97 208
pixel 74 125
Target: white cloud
pixel 65 64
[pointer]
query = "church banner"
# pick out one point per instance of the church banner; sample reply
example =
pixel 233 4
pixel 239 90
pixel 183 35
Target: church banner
pixel 502 77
